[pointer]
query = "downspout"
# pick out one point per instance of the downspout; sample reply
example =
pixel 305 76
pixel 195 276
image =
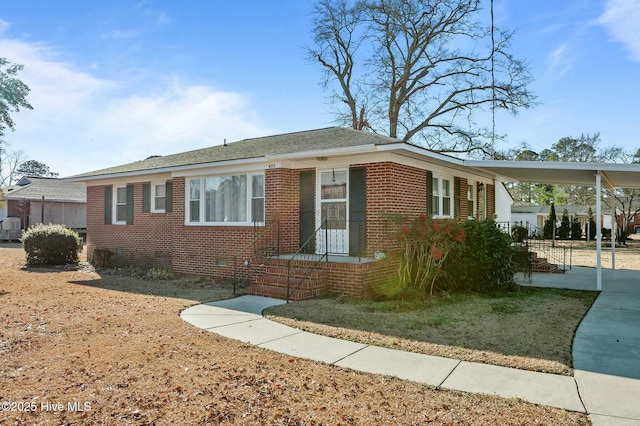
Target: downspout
pixel 42 212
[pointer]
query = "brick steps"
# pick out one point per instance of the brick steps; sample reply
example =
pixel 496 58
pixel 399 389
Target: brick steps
pixel 281 292
pixel 541 264
pixel 272 281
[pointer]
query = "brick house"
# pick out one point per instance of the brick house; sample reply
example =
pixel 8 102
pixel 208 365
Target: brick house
pixel 245 208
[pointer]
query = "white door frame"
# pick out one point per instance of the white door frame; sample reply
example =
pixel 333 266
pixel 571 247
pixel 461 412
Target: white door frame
pixel 333 202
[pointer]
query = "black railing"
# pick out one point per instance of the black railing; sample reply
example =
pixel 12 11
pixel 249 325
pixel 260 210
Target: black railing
pixel 266 242
pixel 557 251
pixel 336 237
pixel 307 251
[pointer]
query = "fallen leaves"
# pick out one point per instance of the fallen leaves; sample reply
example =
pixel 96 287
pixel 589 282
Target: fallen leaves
pixel 136 362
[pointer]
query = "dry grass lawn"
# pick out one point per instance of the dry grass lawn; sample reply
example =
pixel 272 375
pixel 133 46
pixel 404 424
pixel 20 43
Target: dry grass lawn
pixel 122 355
pixel 532 329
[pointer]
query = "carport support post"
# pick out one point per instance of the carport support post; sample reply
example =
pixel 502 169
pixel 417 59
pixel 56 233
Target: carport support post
pixel 614 229
pixel 598 232
pixel 614 219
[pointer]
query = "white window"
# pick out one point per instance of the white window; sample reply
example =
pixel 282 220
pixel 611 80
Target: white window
pixel 230 199
pixel 120 205
pixel 257 198
pixel 435 197
pixel 471 199
pixel 194 201
pixel 159 198
pixel 441 199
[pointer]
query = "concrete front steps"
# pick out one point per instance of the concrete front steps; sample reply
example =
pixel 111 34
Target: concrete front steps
pixel 272 281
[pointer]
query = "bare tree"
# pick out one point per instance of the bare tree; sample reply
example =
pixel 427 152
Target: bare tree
pixel 418 70
pixel 627 199
pixel 10 162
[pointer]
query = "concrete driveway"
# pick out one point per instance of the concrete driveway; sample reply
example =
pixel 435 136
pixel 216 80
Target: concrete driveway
pixel 606 347
pixel 606 351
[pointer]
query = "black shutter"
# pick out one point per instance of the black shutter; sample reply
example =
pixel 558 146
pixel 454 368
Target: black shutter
pixel 146 197
pixel 168 196
pixel 456 197
pixel 307 205
pixel 429 193
pixel 130 204
pixel 357 211
pixel 108 206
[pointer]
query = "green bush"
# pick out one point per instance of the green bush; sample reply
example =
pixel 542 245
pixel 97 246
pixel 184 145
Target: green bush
pixel 424 245
pixel 549 230
pixel 565 226
pixel 576 229
pixel 50 245
pixel 482 263
pixel 518 233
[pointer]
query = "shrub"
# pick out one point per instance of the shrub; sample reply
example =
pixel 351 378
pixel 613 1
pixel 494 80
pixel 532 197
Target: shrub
pixel 576 229
pixel 592 229
pixel 50 245
pixel 565 226
pixel 482 263
pixel 424 245
pixel 518 233
pixel 160 274
pixel 549 228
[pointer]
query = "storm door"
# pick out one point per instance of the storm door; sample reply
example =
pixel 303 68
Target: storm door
pixel 332 212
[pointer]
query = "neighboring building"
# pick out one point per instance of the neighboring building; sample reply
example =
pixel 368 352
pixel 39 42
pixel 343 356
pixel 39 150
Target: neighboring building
pixel 331 191
pixel 504 201
pixel 537 215
pixel 42 200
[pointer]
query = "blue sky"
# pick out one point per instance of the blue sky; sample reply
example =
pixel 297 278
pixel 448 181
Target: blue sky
pixel 118 81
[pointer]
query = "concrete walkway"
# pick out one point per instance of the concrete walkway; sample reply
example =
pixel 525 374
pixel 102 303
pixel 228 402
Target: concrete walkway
pixel 607 378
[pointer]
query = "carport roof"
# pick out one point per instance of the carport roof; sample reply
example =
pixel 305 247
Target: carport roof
pixel 620 175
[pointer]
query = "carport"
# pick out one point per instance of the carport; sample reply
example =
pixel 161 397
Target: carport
pixel 570 173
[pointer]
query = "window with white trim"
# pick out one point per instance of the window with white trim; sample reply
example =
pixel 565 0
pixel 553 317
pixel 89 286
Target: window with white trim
pixel 193 208
pixel 257 198
pixel 229 199
pixel 159 197
pixel 441 199
pixel 471 200
pixel 120 205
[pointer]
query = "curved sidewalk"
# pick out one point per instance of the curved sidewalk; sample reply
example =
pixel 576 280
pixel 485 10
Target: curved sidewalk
pixel 241 319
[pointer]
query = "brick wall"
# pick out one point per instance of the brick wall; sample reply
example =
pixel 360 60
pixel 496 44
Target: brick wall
pixel 391 189
pixel 281 203
pixel 204 250
pixel 147 241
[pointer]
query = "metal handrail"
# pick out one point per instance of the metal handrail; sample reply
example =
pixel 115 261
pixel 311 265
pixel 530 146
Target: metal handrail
pixel 324 256
pixel 549 249
pixel 253 245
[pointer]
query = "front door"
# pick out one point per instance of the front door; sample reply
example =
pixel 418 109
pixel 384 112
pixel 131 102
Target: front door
pixel 332 212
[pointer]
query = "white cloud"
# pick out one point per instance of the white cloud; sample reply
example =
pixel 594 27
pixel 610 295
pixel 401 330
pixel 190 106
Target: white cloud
pixel 4 26
pixel 121 35
pixel 560 61
pixel 81 122
pixel 621 17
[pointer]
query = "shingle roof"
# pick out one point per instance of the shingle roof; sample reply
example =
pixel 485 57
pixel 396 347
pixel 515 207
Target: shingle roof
pixel 310 140
pixel 34 188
